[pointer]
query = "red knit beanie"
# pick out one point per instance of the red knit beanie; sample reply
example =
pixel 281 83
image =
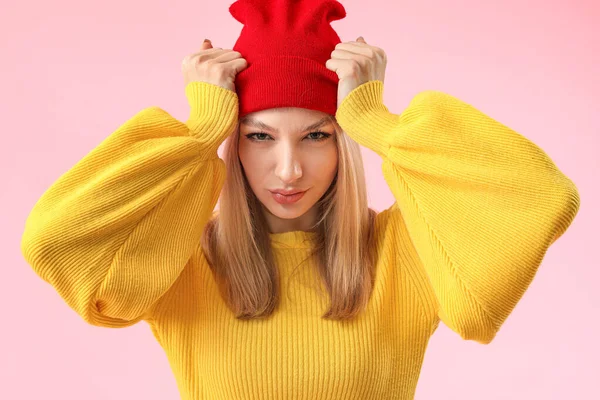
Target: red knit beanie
pixel 286 44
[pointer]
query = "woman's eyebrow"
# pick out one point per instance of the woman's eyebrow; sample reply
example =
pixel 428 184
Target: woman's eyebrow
pixel 261 125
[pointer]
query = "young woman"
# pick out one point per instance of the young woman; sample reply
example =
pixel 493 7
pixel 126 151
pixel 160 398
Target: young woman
pixel 295 287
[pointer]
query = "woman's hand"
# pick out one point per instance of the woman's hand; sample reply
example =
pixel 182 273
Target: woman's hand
pixel 213 65
pixel 356 63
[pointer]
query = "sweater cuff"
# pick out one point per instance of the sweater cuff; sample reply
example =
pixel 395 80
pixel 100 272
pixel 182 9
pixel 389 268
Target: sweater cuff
pixel 213 112
pixel 364 117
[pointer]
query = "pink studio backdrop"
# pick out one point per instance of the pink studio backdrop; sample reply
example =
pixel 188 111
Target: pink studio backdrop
pixel 73 71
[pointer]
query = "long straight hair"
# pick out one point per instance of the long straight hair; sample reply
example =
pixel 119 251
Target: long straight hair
pixel 237 245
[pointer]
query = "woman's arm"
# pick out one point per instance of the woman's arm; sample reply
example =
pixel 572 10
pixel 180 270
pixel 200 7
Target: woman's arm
pixel 113 233
pixel 480 202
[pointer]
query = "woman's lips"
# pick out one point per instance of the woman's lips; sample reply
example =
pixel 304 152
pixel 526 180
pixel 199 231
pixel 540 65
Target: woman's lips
pixel 283 199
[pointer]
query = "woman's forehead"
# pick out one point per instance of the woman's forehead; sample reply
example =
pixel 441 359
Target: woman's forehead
pixel 291 118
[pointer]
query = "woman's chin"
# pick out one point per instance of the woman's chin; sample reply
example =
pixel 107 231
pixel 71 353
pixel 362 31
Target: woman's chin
pixel 285 211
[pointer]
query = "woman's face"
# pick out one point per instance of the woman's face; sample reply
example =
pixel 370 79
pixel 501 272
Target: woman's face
pixel 288 149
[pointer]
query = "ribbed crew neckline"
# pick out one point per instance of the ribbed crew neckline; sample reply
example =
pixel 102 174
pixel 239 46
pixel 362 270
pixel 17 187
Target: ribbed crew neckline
pixel 292 239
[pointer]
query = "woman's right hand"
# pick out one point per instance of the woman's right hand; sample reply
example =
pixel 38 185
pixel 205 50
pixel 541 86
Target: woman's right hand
pixel 213 65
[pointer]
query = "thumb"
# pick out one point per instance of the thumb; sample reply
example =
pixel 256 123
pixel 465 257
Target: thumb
pixel 361 39
pixel 206 44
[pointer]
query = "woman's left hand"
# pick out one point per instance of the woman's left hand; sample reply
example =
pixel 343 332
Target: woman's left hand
pixel 356 63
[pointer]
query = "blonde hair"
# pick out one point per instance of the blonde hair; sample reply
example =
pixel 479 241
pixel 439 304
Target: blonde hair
pixel 237 245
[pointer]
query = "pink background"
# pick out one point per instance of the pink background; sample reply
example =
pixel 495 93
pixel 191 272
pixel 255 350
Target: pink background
pixel 73 71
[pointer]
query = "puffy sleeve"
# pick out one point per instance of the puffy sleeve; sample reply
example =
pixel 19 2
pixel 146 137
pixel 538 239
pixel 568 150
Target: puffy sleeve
pixel 115 231
pixel 480 202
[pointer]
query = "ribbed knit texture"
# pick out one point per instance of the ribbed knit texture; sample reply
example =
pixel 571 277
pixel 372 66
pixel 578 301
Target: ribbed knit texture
pixel 477 206
pixel 288 41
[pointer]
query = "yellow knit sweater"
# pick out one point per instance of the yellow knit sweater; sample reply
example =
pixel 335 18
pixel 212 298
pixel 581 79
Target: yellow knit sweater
pixel 477 206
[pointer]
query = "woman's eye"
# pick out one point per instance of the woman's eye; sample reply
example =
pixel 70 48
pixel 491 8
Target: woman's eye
pixel 253 137
pixel 256 135
pixel 262 137
pixel 322 137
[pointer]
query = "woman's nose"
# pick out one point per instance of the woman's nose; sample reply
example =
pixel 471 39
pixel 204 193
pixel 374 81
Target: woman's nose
pixel 288 166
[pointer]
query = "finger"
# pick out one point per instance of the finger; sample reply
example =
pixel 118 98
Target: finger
pixel 343 54
pixel 207 44
pixel 356 44
pixel 228 56
pixel 208 51
pixel 352 46
pixel 336 65
pixel 351 53
pixel 361 48
pixel 205 52
pixel 238 64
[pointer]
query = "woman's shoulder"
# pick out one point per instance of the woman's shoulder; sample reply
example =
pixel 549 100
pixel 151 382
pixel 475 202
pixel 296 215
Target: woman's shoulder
pixel 392 235
pixel 387 218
